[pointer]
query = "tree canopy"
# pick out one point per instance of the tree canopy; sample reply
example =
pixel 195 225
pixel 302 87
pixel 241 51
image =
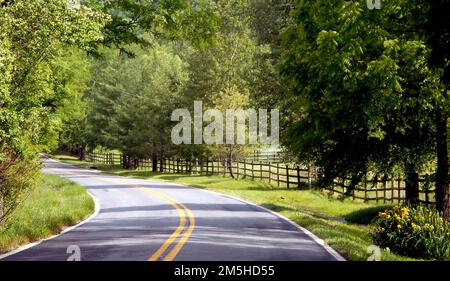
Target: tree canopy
pixel 360 91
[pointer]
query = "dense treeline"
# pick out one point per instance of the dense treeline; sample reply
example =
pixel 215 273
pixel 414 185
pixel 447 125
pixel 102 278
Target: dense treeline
pixel 34 35
pixel 369 96
pixel 359 90
pixel 47 50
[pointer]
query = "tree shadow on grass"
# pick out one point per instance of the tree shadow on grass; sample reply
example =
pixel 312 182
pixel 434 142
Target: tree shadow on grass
pixel 365 216
pixel 276 207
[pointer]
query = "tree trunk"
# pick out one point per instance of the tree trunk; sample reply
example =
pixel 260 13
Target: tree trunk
pixel 161 163
pixel 442 177
pixel 154 164
pixel 230 165
pixel 412 186
pixel 125 161
pixel 82 153
pixel 1 199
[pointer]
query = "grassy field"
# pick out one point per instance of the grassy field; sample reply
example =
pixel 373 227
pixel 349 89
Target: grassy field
pixel 343 224
pixel 53 205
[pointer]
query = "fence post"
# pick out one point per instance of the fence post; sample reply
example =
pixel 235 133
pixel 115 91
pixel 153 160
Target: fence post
pixel 399 190
pixel 260 170
pixel 245 168
pixel 309 176
pixel 392 189
pixel 385 188
pixel 237 166
pixel 365 189
pixel 278 174
pixel 270 173
pixel 287 176
pixel 332 187
pixel 253 170
pixel 353 192
pixel 224 166
pixel 207 165
pixel 298 177
pixel 376 187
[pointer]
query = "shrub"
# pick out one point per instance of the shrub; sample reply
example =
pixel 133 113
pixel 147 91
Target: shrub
pixel 417 232
pixel 17 176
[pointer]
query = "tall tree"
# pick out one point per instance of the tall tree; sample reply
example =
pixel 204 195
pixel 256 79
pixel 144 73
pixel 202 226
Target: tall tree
pixel 73 69
pixel 31 33
pixel 132 100
pixel 364 92
pixel 439 39
pixel 222 75
pixel 269 19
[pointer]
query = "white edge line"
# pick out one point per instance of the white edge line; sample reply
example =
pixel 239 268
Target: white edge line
pixel 30 245
pixel 316 239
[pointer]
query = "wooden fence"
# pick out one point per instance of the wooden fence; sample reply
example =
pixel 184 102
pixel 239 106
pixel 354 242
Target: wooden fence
pixel 105 158
pixel 266 156
pixel 385 189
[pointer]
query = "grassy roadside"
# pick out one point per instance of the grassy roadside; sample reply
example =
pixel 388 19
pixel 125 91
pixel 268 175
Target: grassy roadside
pixel 51 206
pixel 313 210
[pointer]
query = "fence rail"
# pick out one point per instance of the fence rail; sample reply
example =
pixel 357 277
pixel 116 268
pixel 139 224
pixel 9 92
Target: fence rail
pixel 266 156
pixel 385 189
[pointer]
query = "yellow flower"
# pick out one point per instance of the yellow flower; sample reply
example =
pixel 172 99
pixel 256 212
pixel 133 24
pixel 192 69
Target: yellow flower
pixel 415 226
pixel 429 227
pixel 405 212
pixel 384 215
pixel 399 227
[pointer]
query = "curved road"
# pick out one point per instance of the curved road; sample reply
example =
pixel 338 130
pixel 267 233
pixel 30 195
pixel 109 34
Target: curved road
pixel 152 220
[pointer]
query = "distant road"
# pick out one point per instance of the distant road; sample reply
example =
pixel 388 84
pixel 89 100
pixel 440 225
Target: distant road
pixel 153 220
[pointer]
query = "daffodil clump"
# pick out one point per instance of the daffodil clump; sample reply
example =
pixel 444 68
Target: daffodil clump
pixel 417 232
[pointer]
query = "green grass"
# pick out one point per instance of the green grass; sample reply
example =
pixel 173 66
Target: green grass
pixel 54 204
pixel 315 210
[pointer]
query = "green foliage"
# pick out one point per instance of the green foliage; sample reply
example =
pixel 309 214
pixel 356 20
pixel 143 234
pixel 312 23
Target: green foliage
pixel 34 31
pixel 132 97
pixel 73 69
pixel 33 34
pixel 17 175
pixel 133 20
pixel 269 19
pixel 363 94
pixel 54 204
pixel 132 100
pixel 416 232
pixel 224 75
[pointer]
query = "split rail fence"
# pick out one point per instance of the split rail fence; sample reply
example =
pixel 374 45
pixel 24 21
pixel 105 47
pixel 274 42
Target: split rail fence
pixel 379 189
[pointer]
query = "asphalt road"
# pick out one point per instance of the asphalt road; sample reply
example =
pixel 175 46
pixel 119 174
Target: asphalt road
pixel 152 220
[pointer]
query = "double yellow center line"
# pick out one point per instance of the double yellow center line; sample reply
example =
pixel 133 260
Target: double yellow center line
pixel 181 234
